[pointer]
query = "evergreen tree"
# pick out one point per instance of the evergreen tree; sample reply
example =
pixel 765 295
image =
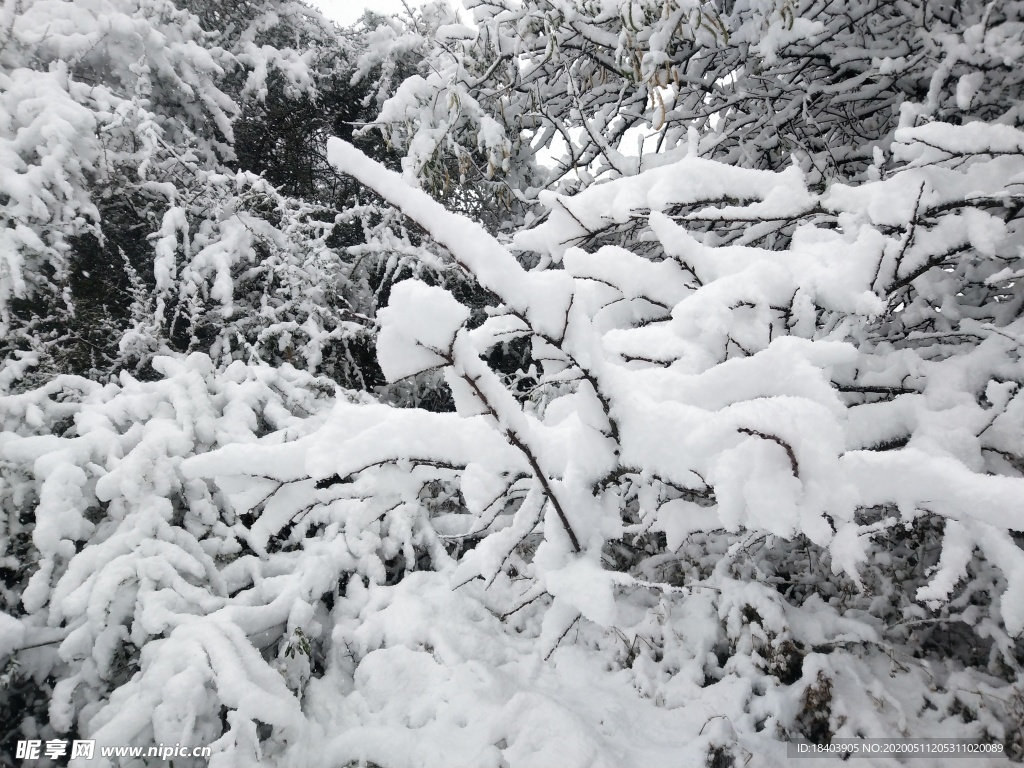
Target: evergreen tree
pixel 173 209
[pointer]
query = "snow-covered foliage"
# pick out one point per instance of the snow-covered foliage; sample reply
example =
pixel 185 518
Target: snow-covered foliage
pixel 117 560
pixel 852 397
pixel 754 83
pixel 684 452
pixel 128 227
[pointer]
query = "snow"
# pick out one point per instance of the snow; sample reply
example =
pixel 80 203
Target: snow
pixel 12 634
pixel 585 586
pixel 418 329
pixel 684 459
pixel 348 12
pixel 542 296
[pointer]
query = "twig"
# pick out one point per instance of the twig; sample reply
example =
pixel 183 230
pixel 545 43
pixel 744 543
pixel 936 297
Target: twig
pixel 778 441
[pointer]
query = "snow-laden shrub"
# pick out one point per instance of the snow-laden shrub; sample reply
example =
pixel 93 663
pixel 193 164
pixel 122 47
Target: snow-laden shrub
pixel 851 401
pixel 870 366
pixel 114 560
